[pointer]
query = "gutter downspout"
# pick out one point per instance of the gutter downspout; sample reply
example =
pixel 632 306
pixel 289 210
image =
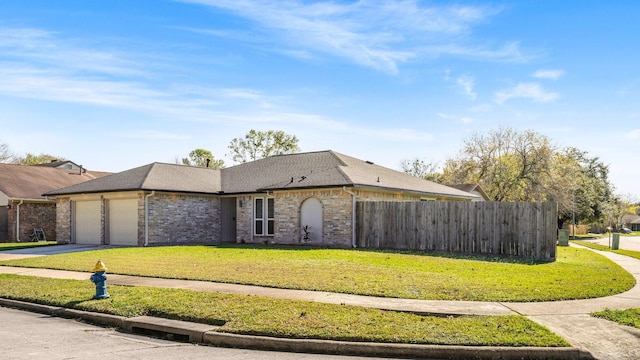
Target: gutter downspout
pixel 146 217
pixel 353 216
pixel 18 220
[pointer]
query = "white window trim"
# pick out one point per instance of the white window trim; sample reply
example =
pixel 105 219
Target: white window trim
pixel 265 219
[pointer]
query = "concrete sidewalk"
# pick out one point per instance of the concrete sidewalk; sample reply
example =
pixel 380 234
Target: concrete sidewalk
pixel 570 319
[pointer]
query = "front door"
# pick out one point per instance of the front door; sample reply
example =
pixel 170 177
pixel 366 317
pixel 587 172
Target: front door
pixel 228 220
pixel 4 224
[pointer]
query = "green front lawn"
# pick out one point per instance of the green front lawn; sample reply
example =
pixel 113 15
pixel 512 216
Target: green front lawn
pixel 629 317
pixel 577 273
pixel 254 315
pixel 24 245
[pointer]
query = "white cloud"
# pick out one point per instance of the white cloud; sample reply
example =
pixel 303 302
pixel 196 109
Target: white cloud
pixel 510 52
pixel 379 35
pixel 532 91
pixel 458 119
pixel 49 52
pixel 548 74
pixel 467 83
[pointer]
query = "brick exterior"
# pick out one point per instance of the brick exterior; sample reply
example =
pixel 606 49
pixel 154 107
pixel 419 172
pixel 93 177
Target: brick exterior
pixel 244 222
pixel 196 219
pixel 63 220
pixel 32 215
pixel 336 218
pixel 181 219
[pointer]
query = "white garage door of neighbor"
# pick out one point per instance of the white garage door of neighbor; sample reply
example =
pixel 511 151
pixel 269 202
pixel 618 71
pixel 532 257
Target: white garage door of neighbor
pixel 87 222
pixel 123 222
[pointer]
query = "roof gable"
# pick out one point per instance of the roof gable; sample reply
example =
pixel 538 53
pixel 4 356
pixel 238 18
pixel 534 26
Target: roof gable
pixel 62 164
pixel 472 188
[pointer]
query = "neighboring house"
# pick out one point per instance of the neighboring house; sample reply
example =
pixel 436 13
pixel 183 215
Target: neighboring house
pixel 22 205
pixel 631 221
pixel 475 189
pixel 62 164
pixel 263 201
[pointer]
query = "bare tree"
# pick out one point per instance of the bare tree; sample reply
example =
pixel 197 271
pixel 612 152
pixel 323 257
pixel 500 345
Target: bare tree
pixel 510 165
pixel 6 155
pixel 422 169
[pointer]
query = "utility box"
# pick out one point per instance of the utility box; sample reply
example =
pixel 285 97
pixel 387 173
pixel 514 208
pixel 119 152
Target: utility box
pixel 615 241
pixel 563 237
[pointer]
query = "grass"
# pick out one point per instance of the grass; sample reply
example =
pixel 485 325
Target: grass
pixel 24 245
pixel 629 317
pixel 254 315
pixel 630 253
pixel 577 273
pixel 633 233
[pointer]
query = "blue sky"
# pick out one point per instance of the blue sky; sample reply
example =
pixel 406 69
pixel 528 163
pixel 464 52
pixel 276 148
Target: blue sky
pixel 113 85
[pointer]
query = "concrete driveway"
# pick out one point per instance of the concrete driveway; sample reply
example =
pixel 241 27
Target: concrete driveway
pixel 47 250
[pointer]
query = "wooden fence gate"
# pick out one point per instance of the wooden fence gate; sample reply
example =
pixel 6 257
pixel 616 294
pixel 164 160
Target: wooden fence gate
pixel 520 229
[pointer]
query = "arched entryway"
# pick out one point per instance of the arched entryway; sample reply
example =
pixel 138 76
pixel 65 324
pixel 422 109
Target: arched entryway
pixel 311 221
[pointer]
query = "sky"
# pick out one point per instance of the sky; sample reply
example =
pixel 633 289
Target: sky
pixel 113 85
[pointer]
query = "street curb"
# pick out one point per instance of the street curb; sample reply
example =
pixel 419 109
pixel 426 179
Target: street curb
pixel 200 333
pixel 390 349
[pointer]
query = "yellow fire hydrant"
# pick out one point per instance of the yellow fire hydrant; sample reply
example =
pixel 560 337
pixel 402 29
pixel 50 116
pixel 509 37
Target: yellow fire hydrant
pixel 100 279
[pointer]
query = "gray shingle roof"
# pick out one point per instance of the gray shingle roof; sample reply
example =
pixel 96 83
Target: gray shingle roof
pixel 319 169
pixel 292 171
pixel 30 182
pixel 155 176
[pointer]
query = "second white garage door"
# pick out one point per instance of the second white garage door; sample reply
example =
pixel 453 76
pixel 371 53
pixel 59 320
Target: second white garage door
pixel 123 222
pixel 87 222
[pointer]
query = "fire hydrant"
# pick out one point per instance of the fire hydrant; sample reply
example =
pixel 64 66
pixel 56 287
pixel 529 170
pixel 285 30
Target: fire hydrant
pixel 100 279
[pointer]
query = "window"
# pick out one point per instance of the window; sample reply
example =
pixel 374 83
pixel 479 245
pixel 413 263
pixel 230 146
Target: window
pixel 263 216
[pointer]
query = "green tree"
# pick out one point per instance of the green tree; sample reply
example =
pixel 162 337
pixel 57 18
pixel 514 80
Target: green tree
pixel 525 166
pixel 198 157
pixel 258 144
pixel 33 159
pixel 580 185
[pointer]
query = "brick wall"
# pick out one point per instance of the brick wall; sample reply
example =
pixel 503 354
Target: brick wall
pixel 336 217
pixel 244 220
pixel 63 220
pixel 181 218
pixel 32 215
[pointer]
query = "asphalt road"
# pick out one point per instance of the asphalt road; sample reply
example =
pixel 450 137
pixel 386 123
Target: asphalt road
pixel 25 335
pixel 626 242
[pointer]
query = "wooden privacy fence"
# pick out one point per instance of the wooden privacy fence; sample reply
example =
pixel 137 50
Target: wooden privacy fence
pixel 521 229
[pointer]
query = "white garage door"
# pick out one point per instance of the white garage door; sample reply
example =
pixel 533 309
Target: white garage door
pixel 87 222
pixel 123 222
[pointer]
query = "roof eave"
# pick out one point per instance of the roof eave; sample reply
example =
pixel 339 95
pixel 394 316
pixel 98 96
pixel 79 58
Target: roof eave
pixel 304 187
pixel 409 191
